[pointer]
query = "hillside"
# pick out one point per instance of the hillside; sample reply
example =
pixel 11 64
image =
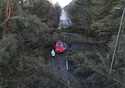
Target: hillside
pixel 28 34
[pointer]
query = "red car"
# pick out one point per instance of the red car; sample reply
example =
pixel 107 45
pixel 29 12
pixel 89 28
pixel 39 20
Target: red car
pixel 60 47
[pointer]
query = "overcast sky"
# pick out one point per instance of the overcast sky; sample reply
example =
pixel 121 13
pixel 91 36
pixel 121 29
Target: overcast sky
pixel 62 3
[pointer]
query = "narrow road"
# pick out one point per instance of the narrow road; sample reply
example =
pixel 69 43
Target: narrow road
pixel 59 68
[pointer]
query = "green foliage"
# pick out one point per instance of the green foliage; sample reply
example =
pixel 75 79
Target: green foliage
pixel 1 13
pixel 24 51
